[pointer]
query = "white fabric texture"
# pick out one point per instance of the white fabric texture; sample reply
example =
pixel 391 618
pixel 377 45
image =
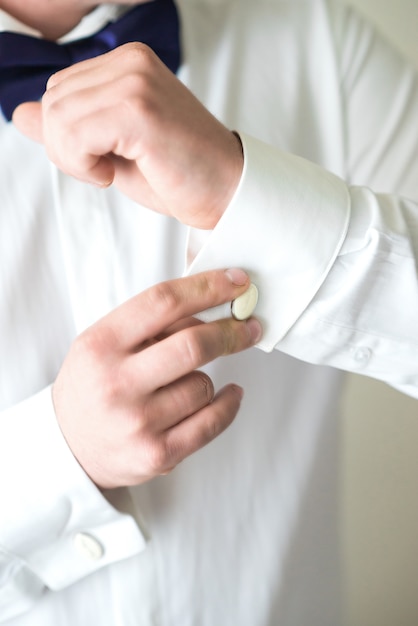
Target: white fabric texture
pixel 245 531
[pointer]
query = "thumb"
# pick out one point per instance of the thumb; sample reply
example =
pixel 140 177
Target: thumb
pixel 27 118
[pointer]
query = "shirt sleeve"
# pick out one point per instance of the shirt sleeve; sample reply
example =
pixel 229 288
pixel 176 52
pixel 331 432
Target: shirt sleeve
pixel 55 526
pixel 335 262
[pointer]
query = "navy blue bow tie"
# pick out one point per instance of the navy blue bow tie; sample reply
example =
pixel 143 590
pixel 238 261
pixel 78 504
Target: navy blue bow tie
pixel 27 62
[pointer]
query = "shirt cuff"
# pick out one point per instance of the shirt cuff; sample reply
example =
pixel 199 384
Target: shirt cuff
pixel 54 519
pixel 285 226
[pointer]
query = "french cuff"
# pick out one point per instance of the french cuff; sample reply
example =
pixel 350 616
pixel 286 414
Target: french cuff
pixel 285 226
pixel 54 519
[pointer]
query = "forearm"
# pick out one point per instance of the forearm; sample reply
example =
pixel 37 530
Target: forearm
pixel 48 506
pixel 334 265
pixel 337 273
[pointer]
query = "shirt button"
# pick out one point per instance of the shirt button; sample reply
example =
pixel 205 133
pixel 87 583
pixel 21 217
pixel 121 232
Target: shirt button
pixel 243 307
pixel 88 546
pixel 362 356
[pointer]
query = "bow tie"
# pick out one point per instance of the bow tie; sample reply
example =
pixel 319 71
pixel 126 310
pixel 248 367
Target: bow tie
pixel 27 62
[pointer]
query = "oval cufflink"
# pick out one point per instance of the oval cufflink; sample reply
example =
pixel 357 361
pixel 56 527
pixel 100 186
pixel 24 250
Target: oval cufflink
pixel 243 307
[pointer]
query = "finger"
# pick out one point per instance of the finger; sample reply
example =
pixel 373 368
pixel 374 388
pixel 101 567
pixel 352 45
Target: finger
pixel 27 118
pixel 203 427
pixel 74 103
pixel 82 101
pixel 172 404
pixel 178 355
pixel 182 324
pixel 79 145
pixel 132 183
pixel 134 56
pixel 85 125
pixel 64 79
pixel 151 312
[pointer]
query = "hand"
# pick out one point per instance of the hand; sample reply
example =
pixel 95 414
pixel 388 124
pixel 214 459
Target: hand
pixel 125 118
pixel 128 398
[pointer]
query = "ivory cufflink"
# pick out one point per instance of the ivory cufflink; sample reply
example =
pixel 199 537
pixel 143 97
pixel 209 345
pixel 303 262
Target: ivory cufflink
pixel 243 307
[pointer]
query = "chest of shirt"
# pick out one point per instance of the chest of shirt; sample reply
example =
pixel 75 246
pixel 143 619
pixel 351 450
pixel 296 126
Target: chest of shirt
pixel 71 253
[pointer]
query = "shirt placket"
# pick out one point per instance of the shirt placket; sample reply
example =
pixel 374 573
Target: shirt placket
pixel 87 242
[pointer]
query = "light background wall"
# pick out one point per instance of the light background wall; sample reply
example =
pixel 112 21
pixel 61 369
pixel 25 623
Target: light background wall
pixel 380 472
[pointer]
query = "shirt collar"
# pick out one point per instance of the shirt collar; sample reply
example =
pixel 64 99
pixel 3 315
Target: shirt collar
pixel 90 24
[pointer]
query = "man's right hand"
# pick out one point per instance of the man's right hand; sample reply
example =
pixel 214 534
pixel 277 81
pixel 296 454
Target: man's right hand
pixel 129 399
pixel 124 118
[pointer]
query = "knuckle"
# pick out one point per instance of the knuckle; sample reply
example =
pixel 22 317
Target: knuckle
pixel 139 105
pixel 135 86
pixel 137 54
pixel 150 416
pixel 63 140
pixel 97 341
pixel 204 386
pixel 93 352
pixel 57 77
pixel 218 419
pixel 207 286
pixel 229 337
pixel 212 427
pixel 192 349
pixel 163 299
pixel 88 344
pixel 158 456
pixel 53 81
pixel 114 390
pixel 48 96
pixel 196 394
pixel 138 63
pixel 54 107
pixel 235 336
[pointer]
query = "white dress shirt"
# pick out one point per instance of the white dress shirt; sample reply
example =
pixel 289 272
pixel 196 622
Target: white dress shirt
pixel 244 532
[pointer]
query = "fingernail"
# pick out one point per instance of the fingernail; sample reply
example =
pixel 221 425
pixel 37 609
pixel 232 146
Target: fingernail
pixel 255 329
pixel 239 391
pixel 101 184
pixel 236 276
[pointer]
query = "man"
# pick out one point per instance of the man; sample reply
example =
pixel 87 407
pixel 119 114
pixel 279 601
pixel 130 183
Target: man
pixel 244 531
